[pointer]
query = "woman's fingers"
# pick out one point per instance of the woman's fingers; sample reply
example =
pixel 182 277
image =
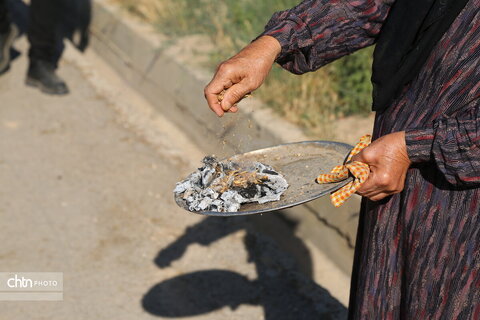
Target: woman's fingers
pixel 241 74
pixel 212 90
pixel 388 160
pixel 221 100
pixel 378 196
pixel 372 190
pixel 215 90
pixel 233 95
pixel 369 185
pixel 377 188
pixel 222 93
pixel 233 109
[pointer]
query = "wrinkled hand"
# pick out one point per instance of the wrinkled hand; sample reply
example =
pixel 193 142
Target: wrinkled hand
pixel 389 162
pixel 241 74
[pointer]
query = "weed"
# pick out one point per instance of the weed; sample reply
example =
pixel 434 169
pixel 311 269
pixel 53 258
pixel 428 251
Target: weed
pixel 311 101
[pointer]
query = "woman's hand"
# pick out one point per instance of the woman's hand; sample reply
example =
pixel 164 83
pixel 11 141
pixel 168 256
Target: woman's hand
pixel 389 162
pixel 241 74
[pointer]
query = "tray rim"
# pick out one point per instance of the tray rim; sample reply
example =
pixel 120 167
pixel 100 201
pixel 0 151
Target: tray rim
pixel 337 186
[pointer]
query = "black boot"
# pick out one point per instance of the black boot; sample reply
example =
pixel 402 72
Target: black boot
pixel 6 42
pixel 41 74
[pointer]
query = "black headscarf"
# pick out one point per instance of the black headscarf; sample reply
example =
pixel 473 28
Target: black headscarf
pixel 412 29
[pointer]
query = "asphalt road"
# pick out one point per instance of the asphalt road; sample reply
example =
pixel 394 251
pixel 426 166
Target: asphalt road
pixel 86 189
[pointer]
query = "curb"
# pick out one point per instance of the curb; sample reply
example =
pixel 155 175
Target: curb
pixel 153 66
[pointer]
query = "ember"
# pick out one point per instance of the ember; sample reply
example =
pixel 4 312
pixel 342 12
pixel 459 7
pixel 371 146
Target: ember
pixel 224 186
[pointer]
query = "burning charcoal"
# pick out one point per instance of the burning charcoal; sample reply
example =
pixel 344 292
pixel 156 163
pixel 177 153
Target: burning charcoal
pixel 231 200
pixel 210 161
pixel 225 186
pixel 183 186
pixel 207 176
pixel 205 203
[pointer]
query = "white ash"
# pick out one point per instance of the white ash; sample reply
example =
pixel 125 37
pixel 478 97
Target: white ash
pixel 212 187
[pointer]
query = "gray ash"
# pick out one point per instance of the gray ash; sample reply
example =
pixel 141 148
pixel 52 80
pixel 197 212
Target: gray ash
pixel 225 186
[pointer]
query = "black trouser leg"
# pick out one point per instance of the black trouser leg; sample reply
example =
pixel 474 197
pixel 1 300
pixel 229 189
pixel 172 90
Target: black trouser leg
pixel 4 17
pixel 44 32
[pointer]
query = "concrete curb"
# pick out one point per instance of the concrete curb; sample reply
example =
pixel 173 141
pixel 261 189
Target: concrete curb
pixel 153 66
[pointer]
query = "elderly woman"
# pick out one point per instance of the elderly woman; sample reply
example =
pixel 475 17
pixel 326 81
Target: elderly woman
pixel 418 247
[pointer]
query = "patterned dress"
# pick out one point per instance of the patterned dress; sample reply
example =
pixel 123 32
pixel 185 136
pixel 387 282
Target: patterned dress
pixel 418 252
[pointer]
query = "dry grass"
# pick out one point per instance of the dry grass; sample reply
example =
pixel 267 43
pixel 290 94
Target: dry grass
pixel 311 101
pixel 148 10
pixel 306 100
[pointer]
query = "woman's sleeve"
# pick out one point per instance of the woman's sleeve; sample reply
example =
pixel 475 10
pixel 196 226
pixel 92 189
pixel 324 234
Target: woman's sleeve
pixel 453 144
pixel 317 32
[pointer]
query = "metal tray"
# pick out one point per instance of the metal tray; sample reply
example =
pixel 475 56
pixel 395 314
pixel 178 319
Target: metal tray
pixel 300 163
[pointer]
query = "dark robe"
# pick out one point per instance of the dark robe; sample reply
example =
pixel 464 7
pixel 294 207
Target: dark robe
pixel 417 252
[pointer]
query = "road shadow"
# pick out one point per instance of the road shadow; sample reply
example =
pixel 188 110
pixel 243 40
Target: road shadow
pixel 283 287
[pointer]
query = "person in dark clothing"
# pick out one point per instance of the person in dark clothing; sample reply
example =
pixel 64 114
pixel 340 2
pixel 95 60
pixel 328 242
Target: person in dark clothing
pixel 4 19
pixel 49 22
pixel 417 253
pixel 8 33
pixel 44 37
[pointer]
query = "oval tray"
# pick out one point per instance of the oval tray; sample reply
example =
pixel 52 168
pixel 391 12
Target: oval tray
pixel 300 163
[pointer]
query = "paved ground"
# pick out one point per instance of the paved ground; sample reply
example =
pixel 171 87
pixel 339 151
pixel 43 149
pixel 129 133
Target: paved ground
pixel 85 190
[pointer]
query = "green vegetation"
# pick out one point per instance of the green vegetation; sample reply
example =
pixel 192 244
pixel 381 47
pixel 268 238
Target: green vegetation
pixel 340 89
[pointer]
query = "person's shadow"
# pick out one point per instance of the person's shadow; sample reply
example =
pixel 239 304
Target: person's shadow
pixel 281 288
